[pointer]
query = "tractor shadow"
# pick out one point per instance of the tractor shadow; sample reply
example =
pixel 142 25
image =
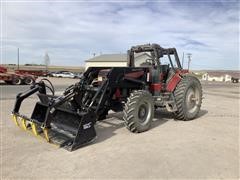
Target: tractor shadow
pixel 107 128
pixel 161 116
pixel 202 113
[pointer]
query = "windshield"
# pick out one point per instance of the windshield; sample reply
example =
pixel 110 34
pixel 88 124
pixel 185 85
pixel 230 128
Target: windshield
pixel 143 59
pixel 165 60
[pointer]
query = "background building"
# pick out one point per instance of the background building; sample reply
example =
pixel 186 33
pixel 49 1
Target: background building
pixel 115 60
pixel 224 76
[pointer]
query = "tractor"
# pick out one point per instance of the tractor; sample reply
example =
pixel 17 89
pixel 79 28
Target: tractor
pixel 146 84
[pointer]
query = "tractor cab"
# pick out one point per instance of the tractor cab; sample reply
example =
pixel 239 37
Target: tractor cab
pixel 161 61
pixel 163 65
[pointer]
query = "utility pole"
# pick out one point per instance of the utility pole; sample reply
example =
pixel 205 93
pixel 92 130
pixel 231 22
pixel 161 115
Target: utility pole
pixel 189 55
pixel 18 59
pixel 182 59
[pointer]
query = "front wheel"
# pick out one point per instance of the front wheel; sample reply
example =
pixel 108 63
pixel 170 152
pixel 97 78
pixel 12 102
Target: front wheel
pixel 138 112
pixel 188 97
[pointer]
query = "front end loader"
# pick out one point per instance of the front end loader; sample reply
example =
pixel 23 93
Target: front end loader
pixel 68 120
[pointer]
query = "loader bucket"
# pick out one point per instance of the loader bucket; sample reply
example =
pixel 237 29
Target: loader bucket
pixel 66 129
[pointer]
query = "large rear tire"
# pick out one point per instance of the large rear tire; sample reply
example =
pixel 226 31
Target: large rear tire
pixel 138 112
pixel 188 96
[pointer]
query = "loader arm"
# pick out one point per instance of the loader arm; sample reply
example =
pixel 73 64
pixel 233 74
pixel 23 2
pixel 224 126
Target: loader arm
pixel 39 87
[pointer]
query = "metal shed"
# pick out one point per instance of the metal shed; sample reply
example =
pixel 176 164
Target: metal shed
pixel 113 60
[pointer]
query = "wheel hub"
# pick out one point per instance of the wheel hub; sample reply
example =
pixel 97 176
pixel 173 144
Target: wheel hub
pixel 191 99
pixel 142 112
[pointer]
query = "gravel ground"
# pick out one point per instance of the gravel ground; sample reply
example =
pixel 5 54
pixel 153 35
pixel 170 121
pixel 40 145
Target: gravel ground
pixel 207 147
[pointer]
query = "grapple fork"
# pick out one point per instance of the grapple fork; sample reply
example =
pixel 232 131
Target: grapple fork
pixel 53 121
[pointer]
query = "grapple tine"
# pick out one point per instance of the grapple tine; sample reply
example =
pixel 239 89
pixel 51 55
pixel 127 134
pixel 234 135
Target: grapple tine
pixel 23 124
pixel 15 119
pixel 45 131
pixel 34 129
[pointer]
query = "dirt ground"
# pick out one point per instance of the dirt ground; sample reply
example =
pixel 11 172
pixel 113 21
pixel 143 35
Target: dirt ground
pixel 207 147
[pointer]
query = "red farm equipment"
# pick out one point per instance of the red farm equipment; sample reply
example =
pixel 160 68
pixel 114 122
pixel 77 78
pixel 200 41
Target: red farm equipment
pixel 16 78
pixel 137 90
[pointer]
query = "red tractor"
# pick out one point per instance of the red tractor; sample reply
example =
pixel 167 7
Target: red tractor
pixel 137 90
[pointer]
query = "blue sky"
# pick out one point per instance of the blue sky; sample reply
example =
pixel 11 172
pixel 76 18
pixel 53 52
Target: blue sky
pixel 72 31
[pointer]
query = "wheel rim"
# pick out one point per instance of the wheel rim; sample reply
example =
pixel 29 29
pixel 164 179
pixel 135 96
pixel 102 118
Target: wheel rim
pixel 17 81
pixel 144 112
pixel 192 99
pixel 28 81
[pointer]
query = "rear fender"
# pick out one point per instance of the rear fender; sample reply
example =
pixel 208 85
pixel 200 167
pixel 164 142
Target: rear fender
pixel 173 82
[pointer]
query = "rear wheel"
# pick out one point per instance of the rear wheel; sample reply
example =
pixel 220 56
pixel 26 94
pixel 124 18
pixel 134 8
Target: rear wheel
pixel 28 80
pixel 16 81
pixel 188 96
pixel 138 111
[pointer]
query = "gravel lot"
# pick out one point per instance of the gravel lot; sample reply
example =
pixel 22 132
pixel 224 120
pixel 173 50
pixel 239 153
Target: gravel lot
pixel 207 147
